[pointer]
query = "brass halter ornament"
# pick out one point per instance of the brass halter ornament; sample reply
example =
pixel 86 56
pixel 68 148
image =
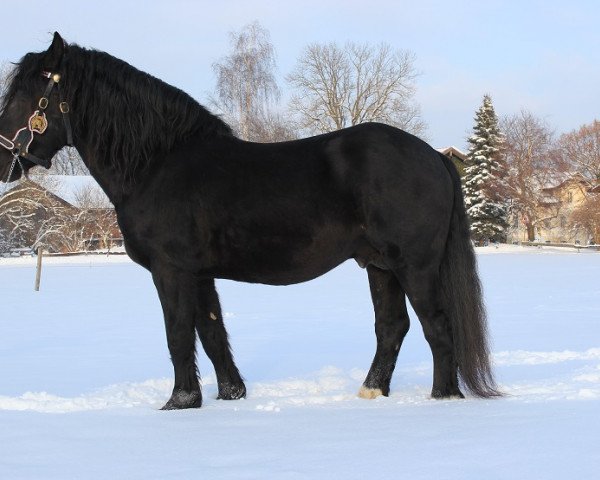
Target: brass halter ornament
pixel 37 123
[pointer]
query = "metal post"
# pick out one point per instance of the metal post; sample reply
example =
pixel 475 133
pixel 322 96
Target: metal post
pixel 38 271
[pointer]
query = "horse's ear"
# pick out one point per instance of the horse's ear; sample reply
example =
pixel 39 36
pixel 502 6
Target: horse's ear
pixel 55 53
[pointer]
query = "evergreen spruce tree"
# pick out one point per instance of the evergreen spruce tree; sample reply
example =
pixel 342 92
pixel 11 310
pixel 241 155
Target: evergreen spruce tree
pixel 483 178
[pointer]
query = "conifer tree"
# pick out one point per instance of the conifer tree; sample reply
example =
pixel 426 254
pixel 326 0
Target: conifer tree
pixel 482 183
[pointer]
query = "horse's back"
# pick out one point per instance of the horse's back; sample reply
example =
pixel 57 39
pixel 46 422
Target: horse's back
pixel 361 159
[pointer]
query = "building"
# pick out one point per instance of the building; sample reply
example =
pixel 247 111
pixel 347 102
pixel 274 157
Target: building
pixel 458 157
pixel 59 213
pixel 559 204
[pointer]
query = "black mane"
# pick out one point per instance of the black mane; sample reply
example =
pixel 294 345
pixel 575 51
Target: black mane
pixel 127 115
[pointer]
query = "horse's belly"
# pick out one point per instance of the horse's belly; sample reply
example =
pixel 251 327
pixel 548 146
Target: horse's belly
pixel 279 262
pixel 286 276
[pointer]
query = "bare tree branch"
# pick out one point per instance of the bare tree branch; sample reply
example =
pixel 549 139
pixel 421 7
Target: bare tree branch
pixel 586 217
pixel 533 166
pixel 337 87
pixel 68 162
pixel 246 85
pixel 581 150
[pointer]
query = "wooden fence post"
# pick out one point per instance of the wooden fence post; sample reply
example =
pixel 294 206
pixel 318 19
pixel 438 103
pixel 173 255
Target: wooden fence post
pixel 38 271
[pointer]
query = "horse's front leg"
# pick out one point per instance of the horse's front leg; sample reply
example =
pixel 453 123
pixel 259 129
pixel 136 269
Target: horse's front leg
pixel 189 303
pixel 178 293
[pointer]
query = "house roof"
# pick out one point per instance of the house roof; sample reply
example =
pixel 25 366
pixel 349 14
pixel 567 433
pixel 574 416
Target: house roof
pixel 561 178
pixel 453 152
pixel 24 184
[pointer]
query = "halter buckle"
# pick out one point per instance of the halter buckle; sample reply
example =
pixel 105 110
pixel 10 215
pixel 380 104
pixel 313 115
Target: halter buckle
pixel 43 103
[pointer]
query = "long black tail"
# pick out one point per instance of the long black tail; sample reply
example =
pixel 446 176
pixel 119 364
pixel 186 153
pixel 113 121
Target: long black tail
pixel 464 301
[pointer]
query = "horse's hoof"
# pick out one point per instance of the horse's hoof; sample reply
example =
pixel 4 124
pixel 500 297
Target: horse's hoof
pixel 181 399
pixel 369 393
pixel 446 394
pixel 229 391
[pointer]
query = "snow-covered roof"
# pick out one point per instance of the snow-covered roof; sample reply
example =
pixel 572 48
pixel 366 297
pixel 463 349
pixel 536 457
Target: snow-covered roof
pixel 453 151
pixel 560 178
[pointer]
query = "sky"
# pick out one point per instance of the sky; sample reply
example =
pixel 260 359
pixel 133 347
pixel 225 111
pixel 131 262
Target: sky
pixel 540 56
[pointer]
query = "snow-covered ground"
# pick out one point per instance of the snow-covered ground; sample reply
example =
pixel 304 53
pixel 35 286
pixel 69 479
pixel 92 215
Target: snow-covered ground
pixel 84 368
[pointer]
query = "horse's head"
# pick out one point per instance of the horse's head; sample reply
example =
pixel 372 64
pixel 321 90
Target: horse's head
pixel 34 120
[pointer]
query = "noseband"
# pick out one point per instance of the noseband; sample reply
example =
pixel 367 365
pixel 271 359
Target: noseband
pixel 37 123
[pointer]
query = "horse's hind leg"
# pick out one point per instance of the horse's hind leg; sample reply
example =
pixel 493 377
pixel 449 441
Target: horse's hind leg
pixel 391 326
pixel 212 333
pixel 424 292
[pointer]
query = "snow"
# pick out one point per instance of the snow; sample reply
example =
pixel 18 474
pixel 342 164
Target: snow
pixel 84 369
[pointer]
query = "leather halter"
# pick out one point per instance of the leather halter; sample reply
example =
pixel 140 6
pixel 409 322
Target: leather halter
pixel 37 123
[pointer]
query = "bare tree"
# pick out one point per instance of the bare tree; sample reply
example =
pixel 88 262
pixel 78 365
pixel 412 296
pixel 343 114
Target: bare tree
pixel 586 217
pixel 246 85
pixel 532 165
pixel 68 162
pixel 5 72
pixel 271 126
pixel 337 87
pixel 90 196
pixel 98 220
pixel 581 150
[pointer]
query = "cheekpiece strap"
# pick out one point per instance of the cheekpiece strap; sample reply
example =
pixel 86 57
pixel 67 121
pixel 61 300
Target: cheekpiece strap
pixel 54 79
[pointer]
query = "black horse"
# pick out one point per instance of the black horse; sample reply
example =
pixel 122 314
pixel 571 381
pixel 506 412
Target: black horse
pixel 196 203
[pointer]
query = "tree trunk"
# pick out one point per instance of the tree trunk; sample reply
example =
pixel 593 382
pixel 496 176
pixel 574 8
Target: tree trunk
pixel 531 233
